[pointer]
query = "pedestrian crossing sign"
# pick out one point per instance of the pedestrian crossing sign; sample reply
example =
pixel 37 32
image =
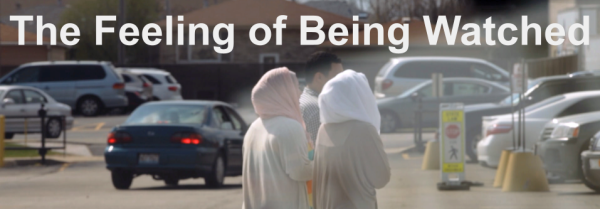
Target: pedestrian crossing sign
pixel 452 144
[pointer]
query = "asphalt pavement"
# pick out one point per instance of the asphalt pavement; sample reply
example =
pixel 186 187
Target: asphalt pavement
pixel 83 182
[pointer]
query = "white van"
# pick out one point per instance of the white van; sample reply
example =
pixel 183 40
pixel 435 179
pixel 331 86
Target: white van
pixel 401 74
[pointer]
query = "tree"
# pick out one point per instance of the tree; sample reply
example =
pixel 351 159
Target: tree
pixel 389 10
pixel 83 14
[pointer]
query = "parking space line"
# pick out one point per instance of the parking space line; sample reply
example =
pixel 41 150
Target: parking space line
pixel 405 156
pixel 63 167
pixel 99 126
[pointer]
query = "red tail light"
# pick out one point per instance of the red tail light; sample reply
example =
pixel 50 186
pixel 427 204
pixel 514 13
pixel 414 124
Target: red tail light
pixel 186 138
pixel 118 138
pixel 173 88
pixel 146 85
pixel 386 84
pixel 119 86
pixel 498 129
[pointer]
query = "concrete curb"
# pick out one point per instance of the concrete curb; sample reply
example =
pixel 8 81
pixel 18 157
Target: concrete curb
pixel 400 150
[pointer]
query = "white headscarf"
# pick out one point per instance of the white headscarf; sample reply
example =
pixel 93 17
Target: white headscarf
pixel 348 97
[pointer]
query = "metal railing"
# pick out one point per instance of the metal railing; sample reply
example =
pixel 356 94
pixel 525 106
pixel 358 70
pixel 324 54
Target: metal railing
pixel 42 115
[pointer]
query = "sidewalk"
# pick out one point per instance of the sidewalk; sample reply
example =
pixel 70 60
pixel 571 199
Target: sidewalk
pixel 411 187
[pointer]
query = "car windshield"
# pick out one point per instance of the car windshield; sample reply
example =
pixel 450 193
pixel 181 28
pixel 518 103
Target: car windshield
pixel 515 96
pixel 168 114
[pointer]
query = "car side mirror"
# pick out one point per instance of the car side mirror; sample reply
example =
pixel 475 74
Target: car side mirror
pixel 415 96
pixel 8 101
pixel 227 126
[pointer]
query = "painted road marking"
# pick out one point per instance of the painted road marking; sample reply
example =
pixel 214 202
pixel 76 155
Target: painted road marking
pixel 63 167
pixel 99 126
pixel 406 156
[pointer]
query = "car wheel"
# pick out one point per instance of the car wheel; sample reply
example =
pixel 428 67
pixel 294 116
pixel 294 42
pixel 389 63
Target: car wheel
pixel 170 181
pixel 9 135
pixel 471 144
pixel 216 177
pixel 89 106
pixel 121 179
pixel 53 128
pixel 389 122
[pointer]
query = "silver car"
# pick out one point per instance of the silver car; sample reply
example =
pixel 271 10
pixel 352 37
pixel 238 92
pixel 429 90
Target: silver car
pixel 401 74
pixel 23 101
pixel 89 87
pixel 399 111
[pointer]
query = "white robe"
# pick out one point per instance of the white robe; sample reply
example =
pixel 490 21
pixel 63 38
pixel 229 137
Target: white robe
pixel 276 165
pixel 350 164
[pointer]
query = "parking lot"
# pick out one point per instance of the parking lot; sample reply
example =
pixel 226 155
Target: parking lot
pixel 86 184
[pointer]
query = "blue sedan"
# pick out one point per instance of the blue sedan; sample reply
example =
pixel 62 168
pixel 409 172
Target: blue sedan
pixel 177 140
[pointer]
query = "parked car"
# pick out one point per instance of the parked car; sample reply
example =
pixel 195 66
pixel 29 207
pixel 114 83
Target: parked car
pixel 164 85
pixel 498 129
pixel 23 101
pixel 399 111
pixel 401 74
pixel 562 142
pixel 138 89
pixel 173 140
pixel 539 89
pixel 590 161
pixel 89 87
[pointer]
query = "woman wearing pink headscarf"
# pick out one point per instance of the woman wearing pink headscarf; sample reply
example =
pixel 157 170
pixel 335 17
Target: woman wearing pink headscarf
pixel 276 165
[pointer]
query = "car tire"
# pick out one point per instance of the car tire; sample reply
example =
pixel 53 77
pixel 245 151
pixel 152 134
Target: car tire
pixel 172 182
pixel 53 128
pixel 121 180
pixel 9 135
pixel 89 106
pixel 389 122
pixel 217 175
pixel 471 144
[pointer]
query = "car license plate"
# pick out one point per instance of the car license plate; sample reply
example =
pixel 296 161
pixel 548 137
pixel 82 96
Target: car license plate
pixel 148 159
pixel 594 164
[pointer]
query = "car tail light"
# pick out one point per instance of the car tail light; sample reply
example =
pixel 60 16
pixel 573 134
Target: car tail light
pixel 173 88
pixel 386 84
pixel 186 138
pixel 118 138
pixel 145 85
pixel 498 129
pixel 119 86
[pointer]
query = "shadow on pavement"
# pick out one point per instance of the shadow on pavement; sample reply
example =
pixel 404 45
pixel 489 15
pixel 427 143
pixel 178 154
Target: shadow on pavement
pixel 189 187
pixel 577 193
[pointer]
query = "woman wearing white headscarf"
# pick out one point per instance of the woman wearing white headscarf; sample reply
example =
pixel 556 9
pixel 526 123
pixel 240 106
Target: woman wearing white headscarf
pixel 276 165
pixel 350 162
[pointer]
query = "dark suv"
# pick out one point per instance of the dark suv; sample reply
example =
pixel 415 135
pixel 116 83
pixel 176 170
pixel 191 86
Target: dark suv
pixel 539 89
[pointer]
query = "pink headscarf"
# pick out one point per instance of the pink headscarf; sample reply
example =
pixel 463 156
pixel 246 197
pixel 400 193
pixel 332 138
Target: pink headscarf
pixel 277 94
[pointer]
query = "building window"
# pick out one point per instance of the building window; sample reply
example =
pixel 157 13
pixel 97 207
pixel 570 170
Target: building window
pixel 199 52
pixel 269 58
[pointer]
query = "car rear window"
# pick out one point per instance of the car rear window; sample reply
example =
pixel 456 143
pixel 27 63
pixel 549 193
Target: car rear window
pixel 168 114
pixel 170 79
pixel 152 79
pixel 126 78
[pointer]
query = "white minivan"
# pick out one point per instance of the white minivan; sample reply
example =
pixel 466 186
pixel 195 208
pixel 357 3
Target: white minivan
pixel 401 74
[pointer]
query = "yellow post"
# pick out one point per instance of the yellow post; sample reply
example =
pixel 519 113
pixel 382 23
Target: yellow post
pixel 499 180
pixel 1 140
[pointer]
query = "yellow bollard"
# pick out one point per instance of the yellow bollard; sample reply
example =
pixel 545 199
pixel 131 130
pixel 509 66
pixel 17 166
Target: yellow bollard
pixel 431 160
pixel 525 172
pixel 501 171
pixel 1 141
